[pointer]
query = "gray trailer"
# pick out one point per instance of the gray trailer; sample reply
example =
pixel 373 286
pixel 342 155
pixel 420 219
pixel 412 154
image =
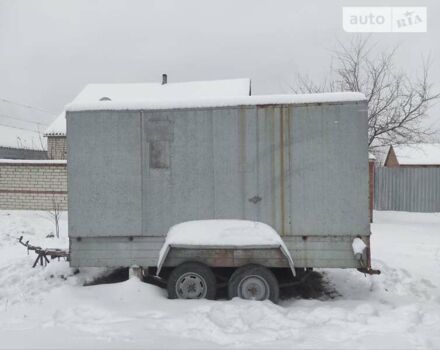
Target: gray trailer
pixel 298 163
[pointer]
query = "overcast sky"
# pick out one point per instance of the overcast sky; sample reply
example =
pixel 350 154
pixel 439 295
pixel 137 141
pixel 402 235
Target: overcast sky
pixel 49 50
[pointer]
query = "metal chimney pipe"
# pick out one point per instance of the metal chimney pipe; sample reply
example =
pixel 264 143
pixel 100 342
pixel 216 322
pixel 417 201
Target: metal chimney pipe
pixel 164 79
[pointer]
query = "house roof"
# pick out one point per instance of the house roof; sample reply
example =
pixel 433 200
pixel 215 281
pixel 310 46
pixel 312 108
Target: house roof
pixel 418 154
pixel 124 93
pixel 13 137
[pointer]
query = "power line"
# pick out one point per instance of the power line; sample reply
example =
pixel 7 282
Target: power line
pixel 16 127
pixel 23 120
pixel 25 105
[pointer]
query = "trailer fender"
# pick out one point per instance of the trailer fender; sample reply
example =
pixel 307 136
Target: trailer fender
pixel 167 248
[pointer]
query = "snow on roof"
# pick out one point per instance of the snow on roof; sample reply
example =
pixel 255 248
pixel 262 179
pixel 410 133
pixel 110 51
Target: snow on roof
pixel 124 93
pixel 12 137
pixel 33 161
pixel 371 156
pixel 58 126
pixel 418 154
pixel 220 101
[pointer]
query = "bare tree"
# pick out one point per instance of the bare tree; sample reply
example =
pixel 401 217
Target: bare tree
pixel 397 101
pixel 42 145
pixel 55 215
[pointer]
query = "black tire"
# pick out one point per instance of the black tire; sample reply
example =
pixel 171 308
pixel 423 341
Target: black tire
pixel 262 281
pixel 192 280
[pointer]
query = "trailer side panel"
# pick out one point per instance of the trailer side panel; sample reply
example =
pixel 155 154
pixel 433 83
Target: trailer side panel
pixel 303 169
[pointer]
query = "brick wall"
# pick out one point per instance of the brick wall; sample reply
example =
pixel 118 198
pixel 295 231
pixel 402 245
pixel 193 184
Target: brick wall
pixel 33 185
pixel 56 147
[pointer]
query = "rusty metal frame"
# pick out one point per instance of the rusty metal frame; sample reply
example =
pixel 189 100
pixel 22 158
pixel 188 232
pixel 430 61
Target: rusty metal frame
pixel 285 253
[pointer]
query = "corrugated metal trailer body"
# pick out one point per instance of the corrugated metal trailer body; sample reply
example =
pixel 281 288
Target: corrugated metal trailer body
pixel 303 169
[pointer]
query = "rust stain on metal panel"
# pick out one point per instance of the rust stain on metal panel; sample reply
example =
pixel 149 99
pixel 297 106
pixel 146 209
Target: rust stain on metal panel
pixel 242 131
pixel 273 175
pixel 273 256
pixel 222 257
pixel 289 155
pixel 212 257
pixel 268 105
pixel 368 251
pixel 282 185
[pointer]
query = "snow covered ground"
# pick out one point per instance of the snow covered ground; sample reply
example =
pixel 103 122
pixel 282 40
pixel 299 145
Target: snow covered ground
pixel 50 308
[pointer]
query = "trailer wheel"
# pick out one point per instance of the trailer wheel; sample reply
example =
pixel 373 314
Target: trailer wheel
pixel 192 280
pixel 254 282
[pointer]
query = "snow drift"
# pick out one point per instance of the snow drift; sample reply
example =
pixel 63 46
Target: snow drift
pixel 50 308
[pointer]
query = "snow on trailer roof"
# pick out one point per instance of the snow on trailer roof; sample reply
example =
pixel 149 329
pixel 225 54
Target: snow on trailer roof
pixel 418 154
pixel 222 233
pixel 125 93
pixel 220 101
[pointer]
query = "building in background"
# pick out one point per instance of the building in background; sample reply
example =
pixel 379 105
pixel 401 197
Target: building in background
pixel 425 155
pixel 410 179
pixel 56 138
pixel 28 180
